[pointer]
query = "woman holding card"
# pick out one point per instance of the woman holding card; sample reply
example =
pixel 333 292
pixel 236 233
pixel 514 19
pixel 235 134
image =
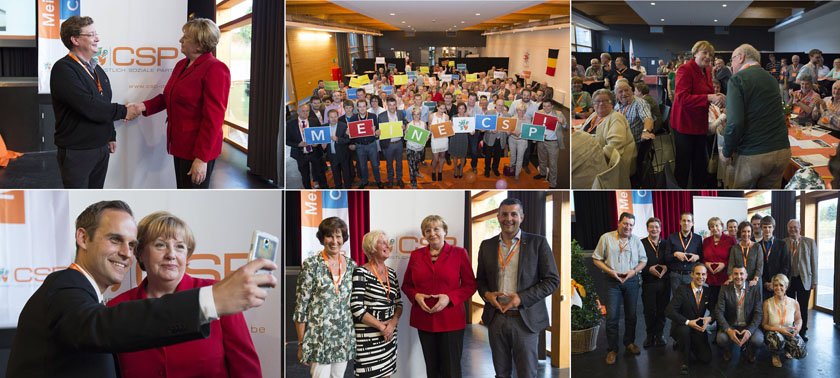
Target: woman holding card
pixel 415 152
pixel 715 256
pixel 164 245
pixel 324 324
pixel 376 305
pixel 438 280
pixel 459 144
pixel 439 145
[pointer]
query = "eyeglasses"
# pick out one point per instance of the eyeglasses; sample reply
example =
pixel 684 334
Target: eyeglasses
pixel 92 35
pixel 602 102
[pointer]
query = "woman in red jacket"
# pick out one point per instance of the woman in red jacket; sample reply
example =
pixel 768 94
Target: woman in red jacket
pixel 195 99
pixel 693 93
pixel 438 281
pixel 165 243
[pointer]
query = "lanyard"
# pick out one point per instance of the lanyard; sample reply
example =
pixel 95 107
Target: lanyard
pixel 745 253
pixel 697 295
pixel 782 314
pixel 655 247
pixel 685 247
pixel 741 294
pixel 767 251
pixel 332 274
pixel 512 251
pixel 625 109
pixel 91 74
pixel 795 247
pixel 595 121
pixel 387 284
pixel 621 247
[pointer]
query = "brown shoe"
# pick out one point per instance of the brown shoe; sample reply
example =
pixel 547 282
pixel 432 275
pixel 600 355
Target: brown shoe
pixel 633 349
pixel 776 361
pixel 727 355
pixel 611 358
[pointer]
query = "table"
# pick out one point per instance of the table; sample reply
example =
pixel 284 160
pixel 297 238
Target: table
pixel 797 134
pixel 577 123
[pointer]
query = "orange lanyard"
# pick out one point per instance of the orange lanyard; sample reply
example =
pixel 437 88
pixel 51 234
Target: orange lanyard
pixel 624 109
pixel 594 123
pixel 621 247
pixel 685 247
pixel 767 251
pixel 742 296
pixel 782 314
pixel 795 247
pixel 715 111
pixel 76 267
pixel 655 249
pixel 745 253
pixel 387 284
pixel 512 251
pixel 334 280
pixel 91 74
pixel 697 296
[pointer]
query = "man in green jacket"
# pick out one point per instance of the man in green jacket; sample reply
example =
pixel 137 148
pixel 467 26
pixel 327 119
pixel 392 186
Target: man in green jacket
pixel 756 141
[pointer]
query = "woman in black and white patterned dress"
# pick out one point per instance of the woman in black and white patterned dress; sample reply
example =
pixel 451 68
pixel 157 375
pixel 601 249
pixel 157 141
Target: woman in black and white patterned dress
pixel 376 306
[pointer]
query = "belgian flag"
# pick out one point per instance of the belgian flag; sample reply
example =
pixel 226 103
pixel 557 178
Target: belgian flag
pixel 551 67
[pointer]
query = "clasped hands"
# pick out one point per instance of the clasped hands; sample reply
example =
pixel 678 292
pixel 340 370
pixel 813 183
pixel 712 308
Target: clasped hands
pixel 443 301
pixel 658 270
pixel 739 337
pixel 686 257
pixel 718 99
pixel 513 300
pixel 134 110
pixel 695 323
pixel 621 277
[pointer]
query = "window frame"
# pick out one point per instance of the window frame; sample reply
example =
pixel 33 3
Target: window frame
pixel 229 27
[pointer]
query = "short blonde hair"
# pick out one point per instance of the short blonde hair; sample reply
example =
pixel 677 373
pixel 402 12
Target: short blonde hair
pixel 703 45
pixel 204 32
pixel 712 220
pixel 782 279
pixel 162 224
pixel 369 241
pixel 431 219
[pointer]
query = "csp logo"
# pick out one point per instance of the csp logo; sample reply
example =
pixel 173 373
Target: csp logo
pixel 4 274
pixel 144 56
pixel 102 56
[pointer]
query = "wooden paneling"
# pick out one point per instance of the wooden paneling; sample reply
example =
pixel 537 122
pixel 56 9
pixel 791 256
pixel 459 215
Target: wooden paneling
pixel 542 11
pixel 327 11
pixel 310 60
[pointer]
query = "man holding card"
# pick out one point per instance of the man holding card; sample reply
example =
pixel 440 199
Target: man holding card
pixel 548 150
pixel 364 129
pixel 739 314
pixel 621 256
pixel 392 148
pixel 682 249
pixel 310 159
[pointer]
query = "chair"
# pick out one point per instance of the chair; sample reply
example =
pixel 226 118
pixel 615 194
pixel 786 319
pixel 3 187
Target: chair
pixel 611 178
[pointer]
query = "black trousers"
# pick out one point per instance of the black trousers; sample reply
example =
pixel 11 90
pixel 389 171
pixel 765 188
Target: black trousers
pixel 184 181
pixel 655 297
pixel 83 169
pixel 474 151
pixel 341 172
pixel 492 156
pixel 442 353
pixel 309 165
pixel 802 295
pixel 690 156
pixel 691 342
pixel 714 293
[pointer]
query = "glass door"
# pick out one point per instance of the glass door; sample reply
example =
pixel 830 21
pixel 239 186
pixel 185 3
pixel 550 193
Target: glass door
pixel 826 234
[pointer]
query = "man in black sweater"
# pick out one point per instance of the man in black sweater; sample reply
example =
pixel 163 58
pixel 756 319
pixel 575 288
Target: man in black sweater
pixel 84 114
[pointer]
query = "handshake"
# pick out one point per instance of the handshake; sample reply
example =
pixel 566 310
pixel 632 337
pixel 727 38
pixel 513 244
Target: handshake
pixel 134 110
pixel 718 99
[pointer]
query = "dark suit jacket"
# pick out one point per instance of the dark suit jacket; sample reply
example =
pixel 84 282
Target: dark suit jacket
pixel 778 262
pixel 195 99
pixel 674 244
pixel 293 137
pixel 727 308
pixel 683 306
pixel 383 117
pixel 342 150
pixel 84 118
pixel 64 331
pixel 538 278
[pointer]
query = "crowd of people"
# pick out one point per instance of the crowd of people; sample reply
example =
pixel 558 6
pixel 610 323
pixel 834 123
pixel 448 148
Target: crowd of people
pixel 714 112
pixel 740 285
pixel 425 101
pixel 348 312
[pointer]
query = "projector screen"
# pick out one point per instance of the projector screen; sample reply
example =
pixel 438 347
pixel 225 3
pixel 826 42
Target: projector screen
pixel 17 19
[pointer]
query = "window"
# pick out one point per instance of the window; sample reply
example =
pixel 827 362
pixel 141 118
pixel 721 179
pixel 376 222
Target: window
pixel 353 47
pixel 234 20
pixel 549 235
pixel 826 234
pixel 582 39
pixel 758 202
pixel 369 47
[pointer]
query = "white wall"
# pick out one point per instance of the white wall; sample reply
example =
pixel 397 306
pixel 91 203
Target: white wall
pixel 536 44
pixel 820 32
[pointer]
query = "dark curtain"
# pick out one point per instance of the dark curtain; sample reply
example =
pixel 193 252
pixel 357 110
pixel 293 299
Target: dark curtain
pixel 292 238
pixel 343 53
pixel 467 243
pixel 533 205
pixel 266 90
pixel 783 208
pixel 18 62
pixel 592 218
pixel 201 9
pixel 836 276
pixel 668 205
pixel 358 203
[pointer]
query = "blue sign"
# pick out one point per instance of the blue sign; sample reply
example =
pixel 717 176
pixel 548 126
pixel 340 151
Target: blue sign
pixel 456 77
pixel 388 89
pixel 351 93
pixel 316 135
pixel 391 66
pixel 461 66
pixel 69 8
pixel 412 75
pixel 485 122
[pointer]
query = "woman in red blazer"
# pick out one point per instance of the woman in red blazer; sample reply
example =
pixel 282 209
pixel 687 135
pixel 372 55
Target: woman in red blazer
pixel 165 243
pixel 195 99
pixel 693 93
pixel 438 281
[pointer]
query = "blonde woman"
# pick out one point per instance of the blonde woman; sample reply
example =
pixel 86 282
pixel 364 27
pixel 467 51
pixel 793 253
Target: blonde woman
pixel 782 322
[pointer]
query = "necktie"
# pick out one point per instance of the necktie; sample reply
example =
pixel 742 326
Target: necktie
pixel 306 149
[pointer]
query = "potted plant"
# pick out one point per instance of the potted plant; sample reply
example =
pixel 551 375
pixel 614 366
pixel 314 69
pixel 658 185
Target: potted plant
pixel 586 318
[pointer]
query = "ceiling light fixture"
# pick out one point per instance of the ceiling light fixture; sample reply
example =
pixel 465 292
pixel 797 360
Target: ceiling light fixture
pixel 715 20
pixel 724 5
pixel 652 3
pixel 403 22
pixel 393 14
pixel 478 14
pixel 662 19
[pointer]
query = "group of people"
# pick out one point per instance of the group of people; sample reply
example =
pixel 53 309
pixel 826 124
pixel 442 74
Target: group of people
pixel 345 311
pixel 741 284
pixel 348 157
pixel 195 98
pixel 170 324
pixel 714 110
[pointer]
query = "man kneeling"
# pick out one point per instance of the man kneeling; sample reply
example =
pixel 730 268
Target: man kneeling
pixel 739 315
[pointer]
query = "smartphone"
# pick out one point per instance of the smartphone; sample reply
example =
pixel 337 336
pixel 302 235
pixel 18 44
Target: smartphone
pixel 263 246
